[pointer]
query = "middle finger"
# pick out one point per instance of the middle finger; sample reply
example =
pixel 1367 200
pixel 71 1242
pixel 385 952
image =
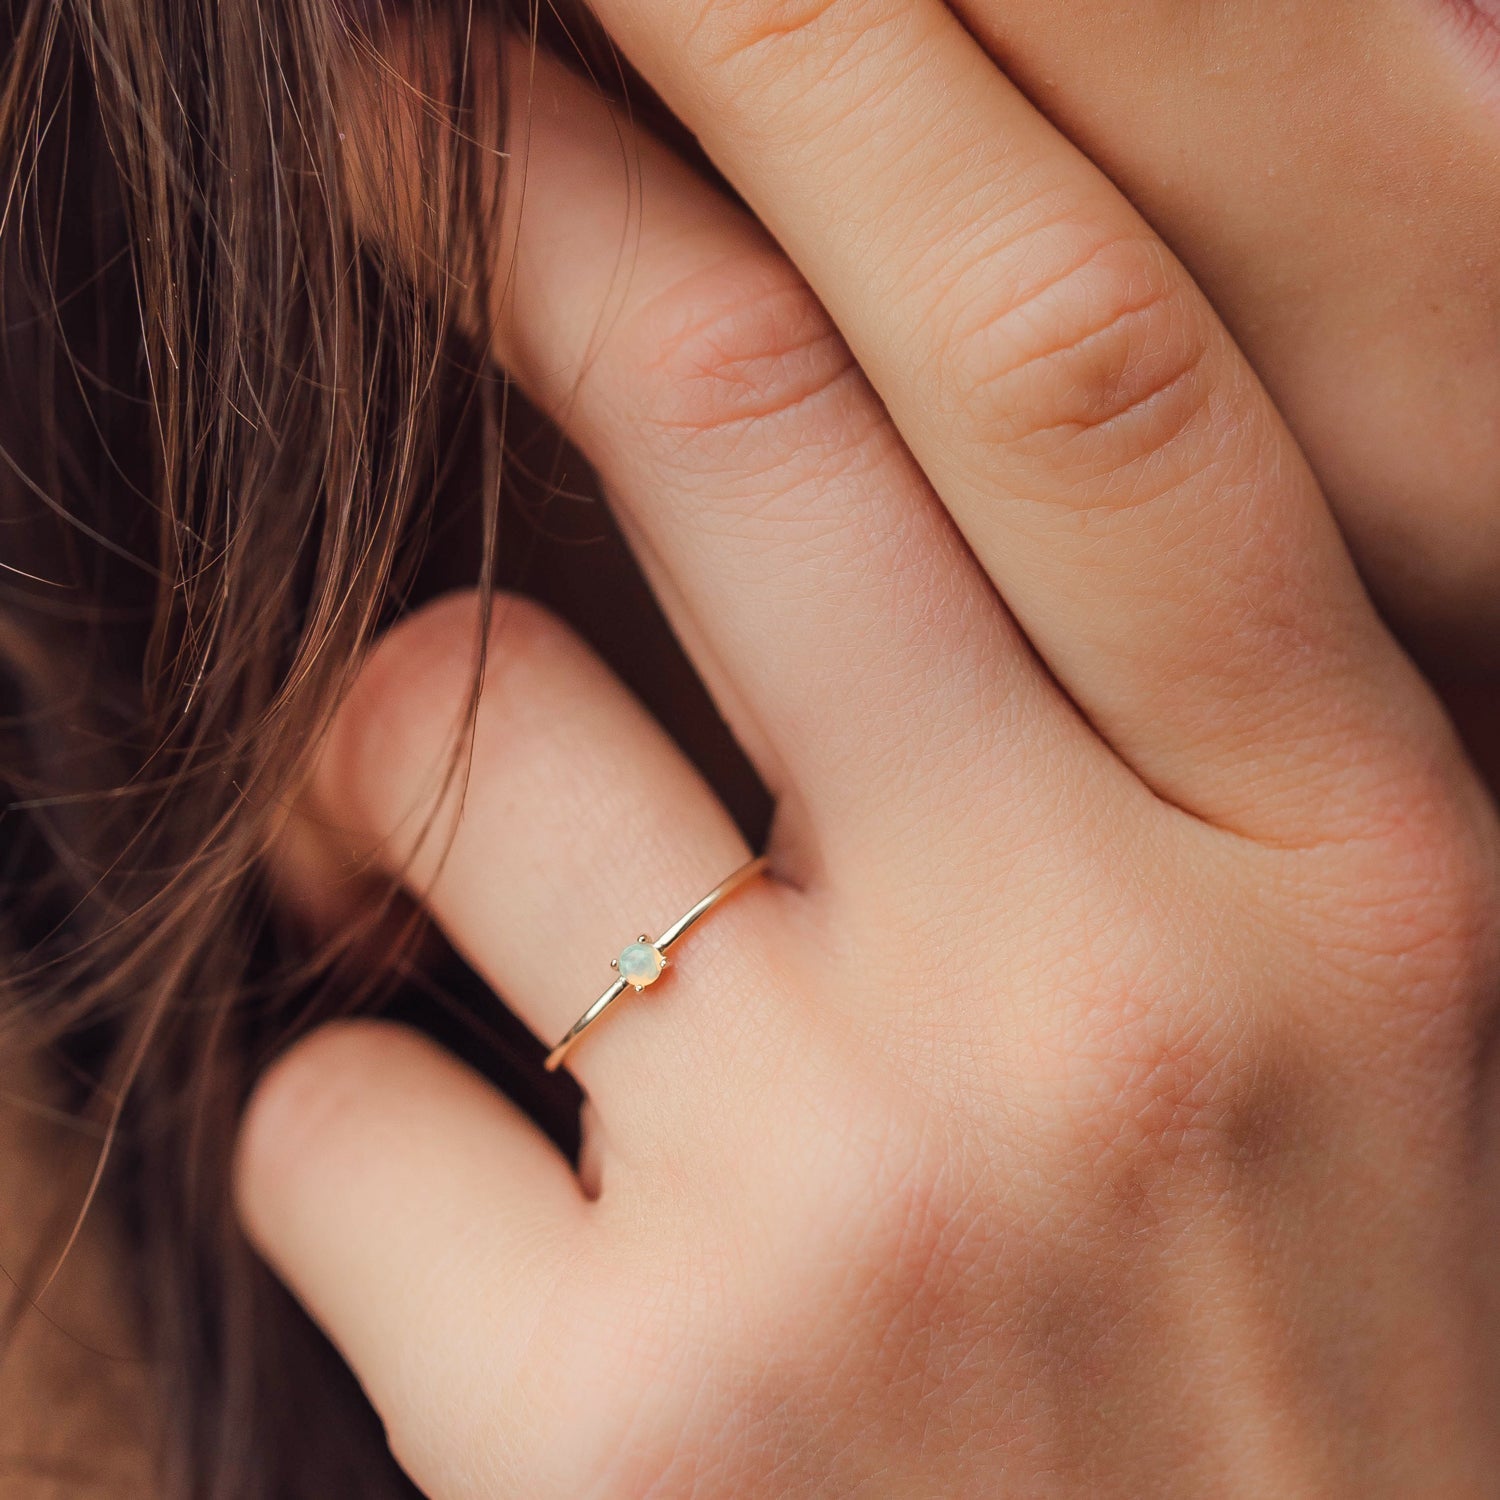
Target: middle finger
pixel 816 579
pixel 1105 449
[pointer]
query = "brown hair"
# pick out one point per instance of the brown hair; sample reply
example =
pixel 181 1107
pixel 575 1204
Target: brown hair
pixel 230 426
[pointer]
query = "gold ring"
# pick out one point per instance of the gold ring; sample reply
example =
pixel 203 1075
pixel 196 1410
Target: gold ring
pixel 641 963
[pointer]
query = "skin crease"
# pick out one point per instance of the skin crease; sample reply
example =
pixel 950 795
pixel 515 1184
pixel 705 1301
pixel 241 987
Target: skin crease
pixel 1330 173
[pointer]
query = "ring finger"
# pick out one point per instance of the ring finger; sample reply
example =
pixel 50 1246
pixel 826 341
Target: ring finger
pixel 569 783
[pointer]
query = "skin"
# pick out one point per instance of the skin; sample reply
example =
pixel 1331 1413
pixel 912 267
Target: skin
pixel 1089 1104
pixel 1329 175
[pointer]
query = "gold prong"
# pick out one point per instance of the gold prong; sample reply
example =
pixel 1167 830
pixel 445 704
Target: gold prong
pixel 643 938
pixel 614 963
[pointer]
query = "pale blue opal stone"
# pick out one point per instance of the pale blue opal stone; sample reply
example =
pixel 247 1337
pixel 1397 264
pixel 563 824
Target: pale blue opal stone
pixel 641 964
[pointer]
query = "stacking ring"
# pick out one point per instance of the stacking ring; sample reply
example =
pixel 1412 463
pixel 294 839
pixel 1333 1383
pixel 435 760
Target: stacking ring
pixel 641 962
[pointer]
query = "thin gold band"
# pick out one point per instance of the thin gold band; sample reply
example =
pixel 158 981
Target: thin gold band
pixel 642 961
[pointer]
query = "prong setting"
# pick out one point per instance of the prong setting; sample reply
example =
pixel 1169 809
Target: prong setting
pixel 641 964
pixel 649 958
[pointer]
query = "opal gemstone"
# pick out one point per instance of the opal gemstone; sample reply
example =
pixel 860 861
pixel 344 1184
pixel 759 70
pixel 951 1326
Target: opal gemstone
pixel 641 964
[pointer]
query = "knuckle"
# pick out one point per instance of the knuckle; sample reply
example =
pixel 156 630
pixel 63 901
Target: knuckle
pixel 1093 368
pixel 409 680
pixel 309 1100
pixel 1409 918
pixel 408 702
pixel 730 42
pixel 732 352
pixel 431 657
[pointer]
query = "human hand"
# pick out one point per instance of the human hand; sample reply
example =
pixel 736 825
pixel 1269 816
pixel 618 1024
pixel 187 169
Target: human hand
pixel 1330 175
pixel 1086 1108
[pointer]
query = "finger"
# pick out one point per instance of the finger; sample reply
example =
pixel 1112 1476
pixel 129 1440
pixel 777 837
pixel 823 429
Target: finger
pixel 1302 117
pixel 798 550
pixel 576 826
pixel 426 1224
pixel 1106 451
